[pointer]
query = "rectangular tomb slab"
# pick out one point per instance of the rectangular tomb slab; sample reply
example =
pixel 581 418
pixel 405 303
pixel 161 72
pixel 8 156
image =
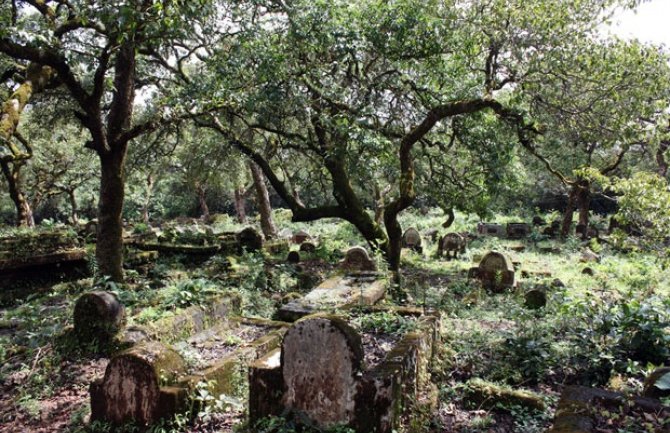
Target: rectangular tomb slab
pixel 341 291
pixel 151 381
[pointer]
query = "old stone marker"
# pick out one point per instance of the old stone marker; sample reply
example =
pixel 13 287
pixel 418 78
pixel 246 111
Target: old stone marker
pixel 301 236
pixel 490 229
pixel 131 388
pixel 517 230
pixel 358 259
pixel 98 316
pixel 451 245
pixel 496 271
pixel 321 358
pixel 250 240
pixel 412 239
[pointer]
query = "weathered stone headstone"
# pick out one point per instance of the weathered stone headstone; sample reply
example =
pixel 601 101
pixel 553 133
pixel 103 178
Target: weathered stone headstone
pixel 452 243
pixel 358 259
pixel 538 221
pixel 301 236
pixel 98 316
pixel 432 234
pixel 517 230
pixel 535 298
pixel 321 358
pixel 308 247
pixel 412 239
pixel 131 388
pixel 250 240
pixel 293 257
pixel 496 271
pixel 489 229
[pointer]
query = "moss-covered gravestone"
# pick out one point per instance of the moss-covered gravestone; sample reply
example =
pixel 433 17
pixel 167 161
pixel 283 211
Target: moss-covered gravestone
pixel 517 230
pixel 495 271
pixel 249 239
pixel 98 316
pixel 301 236
pixel 412 239
pixel 133 388
pixel 321 358
pixel 451 245
pixel 358 259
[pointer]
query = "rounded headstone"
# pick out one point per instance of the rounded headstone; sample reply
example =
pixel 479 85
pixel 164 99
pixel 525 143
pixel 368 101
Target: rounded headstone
pixel 301 236
pixel 358 259
pixel 293 257
pixel 98 316
pixel 130 389
pixel 308 247
pixel 535 298
pixel 411 238
pixel 496 271
pixel 250 240
pixel 321 358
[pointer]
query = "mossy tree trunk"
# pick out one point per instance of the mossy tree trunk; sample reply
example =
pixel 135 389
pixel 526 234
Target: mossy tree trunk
pixel 12 173
pixel 263 199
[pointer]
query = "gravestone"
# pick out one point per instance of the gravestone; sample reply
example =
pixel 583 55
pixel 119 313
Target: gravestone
pixel 490 229
pixel 358 259
pixel 98 316
pixel 249 239
pixel 132 390
pixel 496 271
pixel 300 237
pixel 553 230
pixel 412 239
pixel 517 230
pixel 452 243
pixel 308 247
pixel 293 257
pixel 539 221
pixel 321 359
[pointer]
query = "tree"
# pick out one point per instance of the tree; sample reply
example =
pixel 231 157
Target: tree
pixel 103 54
pixel 341 86
pixel 595 109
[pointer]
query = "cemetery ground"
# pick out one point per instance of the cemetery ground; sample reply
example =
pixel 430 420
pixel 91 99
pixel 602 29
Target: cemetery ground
pixel 501 363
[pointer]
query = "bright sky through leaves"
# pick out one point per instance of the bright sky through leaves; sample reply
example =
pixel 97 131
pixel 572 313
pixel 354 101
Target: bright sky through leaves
pixel 651 23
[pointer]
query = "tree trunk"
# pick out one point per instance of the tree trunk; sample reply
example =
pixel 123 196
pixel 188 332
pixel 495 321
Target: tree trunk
pixel 73 205
pixel 109 244
pixel 147 198
pixel 450 218
pixel 569 210
pixel 24 215
pixel 661 160
pixel 240 205
pixel 583 205
pixel 263 199
pixel 202 200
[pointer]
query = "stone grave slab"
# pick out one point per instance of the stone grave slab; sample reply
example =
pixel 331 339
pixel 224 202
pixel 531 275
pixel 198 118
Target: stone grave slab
pixel 451 245
pixel 518 230
pixel 490 229
pixel 151 381
pixel 340 291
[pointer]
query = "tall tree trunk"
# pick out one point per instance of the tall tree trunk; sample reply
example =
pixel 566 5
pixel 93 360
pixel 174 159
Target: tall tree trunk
pixel 583 205
pixel 147 198
pixel 263 200
pixel 109 243
pixel 73 205
pixel 569 210
pixel 661 160
pixel 202 200
pixel 240 204
pixel 12 173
